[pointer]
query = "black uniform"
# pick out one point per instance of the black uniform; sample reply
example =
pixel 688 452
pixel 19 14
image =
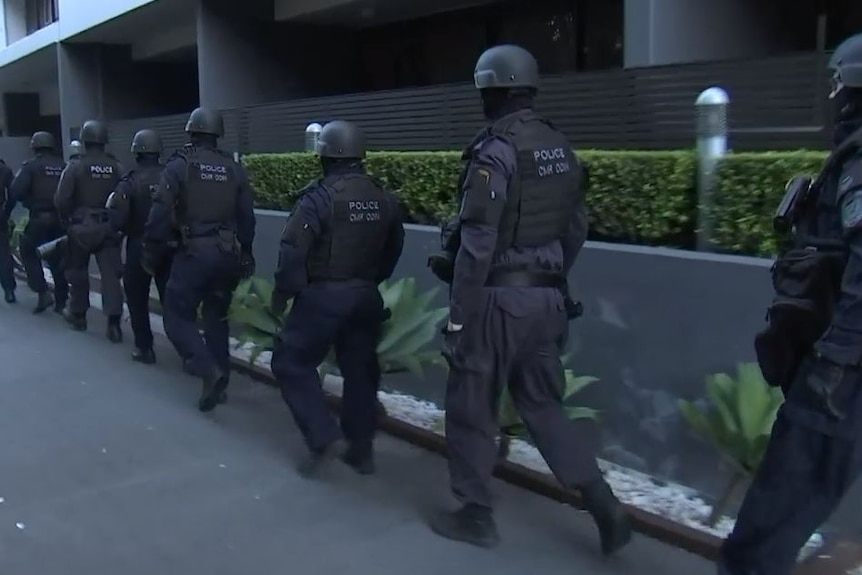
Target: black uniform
pixel 812 348
pixel 7 269
pixel 129 209
pixel 81 199
pixel 343 238
pixel 35 186
pixel 207 196
pixel 521 224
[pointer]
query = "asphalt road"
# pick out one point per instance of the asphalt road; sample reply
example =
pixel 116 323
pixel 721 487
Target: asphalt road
pixel 107 468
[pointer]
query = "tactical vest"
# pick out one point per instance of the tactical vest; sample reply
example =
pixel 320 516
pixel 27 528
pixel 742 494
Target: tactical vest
pixel 45 172
pixel 211 190
pixel 351 245
pixel 96 177
pixel 546 190
pixel 145 184
pixel 807 275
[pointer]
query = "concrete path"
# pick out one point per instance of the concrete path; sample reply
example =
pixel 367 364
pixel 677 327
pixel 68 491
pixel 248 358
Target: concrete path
pixel 107 468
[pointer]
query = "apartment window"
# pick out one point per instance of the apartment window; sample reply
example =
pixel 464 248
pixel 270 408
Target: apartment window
pixel 40 13
pixel 564 35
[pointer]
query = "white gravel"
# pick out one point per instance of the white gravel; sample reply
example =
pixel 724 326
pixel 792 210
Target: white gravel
pixel 674 501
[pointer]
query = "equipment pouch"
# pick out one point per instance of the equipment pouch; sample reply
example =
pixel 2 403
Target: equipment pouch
pixel 805 289
pixel 228 243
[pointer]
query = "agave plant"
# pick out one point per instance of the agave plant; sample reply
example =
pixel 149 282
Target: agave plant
pixel 251 310
pixel 15 242
pixel 737 422
pixel 406 334
pixel 411 328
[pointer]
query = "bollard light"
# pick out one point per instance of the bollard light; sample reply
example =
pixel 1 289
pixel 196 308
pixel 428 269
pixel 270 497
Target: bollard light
pixel 711 130
pixel 311 133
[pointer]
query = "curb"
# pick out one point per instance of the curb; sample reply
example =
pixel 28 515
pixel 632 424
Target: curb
pixel 646 523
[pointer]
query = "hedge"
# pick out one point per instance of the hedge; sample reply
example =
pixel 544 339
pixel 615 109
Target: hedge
pixel 635 197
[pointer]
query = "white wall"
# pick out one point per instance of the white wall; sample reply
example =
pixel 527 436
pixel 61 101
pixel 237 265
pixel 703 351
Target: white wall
pixel 660 32
pixel 79 15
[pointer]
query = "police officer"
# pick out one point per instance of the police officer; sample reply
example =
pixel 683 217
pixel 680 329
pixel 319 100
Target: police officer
pixel 81 199
pixel 76 148
pixel 342 239
pixel 7 268
pixel 208 196
pixel 813 453
pixel 35 186
pixel 521 223
pixel 129 207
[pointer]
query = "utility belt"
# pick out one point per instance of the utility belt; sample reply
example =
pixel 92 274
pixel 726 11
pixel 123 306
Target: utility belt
pixel 89 216
pixel 223 238
pixel 524 278
pixel 345 282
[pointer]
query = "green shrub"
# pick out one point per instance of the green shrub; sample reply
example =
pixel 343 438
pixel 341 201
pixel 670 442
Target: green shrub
pixel 750 187
pixel 635 197
pixel 638 197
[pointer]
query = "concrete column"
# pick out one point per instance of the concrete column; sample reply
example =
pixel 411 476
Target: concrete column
pixel 81 86
pixel 663 32
pixel 235 68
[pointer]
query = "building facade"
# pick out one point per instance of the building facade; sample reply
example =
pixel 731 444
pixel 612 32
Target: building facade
pixel 619 73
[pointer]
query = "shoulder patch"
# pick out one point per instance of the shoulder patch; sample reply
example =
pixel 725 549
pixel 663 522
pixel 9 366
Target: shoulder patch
pixel 851 210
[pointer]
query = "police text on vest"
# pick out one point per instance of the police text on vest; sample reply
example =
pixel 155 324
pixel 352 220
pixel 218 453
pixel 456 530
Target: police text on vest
pixel 363 211
pixel 551 161
pixel 100 172
pixel 213 173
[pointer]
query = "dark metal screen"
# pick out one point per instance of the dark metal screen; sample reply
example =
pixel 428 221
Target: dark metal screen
pixel 776 103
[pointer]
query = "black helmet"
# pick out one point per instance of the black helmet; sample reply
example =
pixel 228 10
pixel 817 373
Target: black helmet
pixel 340 139
pixel 94 132
pixel 205 121
pixel 506 66
pixel 846 65
pixel 42 140
pixel 147 142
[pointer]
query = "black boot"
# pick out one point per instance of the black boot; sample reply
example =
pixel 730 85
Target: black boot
pixel 45 301
pixel 318 460
pixel 59 306
pixel 612 521
pixel 146 356
pixel 214 386
pixel 361 459
pixel 471 524
pixel 115 332
pixel 9 296
pixel 78 322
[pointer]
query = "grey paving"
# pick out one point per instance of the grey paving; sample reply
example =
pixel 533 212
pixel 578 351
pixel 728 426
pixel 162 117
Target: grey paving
pixel 107 468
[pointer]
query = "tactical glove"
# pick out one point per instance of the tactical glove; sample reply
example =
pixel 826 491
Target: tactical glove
pixel 247 264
